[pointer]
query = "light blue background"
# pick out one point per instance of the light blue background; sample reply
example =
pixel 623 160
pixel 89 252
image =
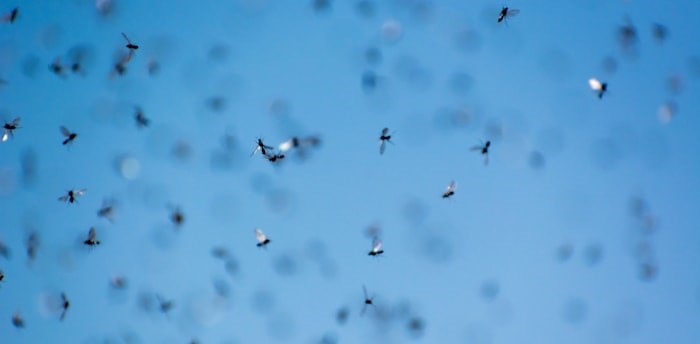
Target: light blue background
pixel 502 227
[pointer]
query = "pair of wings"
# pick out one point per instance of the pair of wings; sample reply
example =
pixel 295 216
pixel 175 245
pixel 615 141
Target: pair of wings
pixel 260 236
pixel 76 193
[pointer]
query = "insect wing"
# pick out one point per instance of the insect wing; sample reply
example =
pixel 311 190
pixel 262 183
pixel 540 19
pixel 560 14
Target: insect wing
pixel 260 236
pixel 65 131
pixel 376 245
pixel 382 146
pixel 512 12
pixel 595 84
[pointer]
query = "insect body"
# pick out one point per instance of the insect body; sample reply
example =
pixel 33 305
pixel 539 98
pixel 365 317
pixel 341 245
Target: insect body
pixel 506 13
pixel 450 190
pixel 72 195
pixel 69 135
pixel 383 139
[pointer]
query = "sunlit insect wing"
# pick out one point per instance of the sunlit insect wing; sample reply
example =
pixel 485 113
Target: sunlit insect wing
pixel 261 237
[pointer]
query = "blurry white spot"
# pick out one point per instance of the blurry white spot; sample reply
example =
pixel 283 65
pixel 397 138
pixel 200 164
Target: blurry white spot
pixel 391 31
pixel 129 167
pixel 667 111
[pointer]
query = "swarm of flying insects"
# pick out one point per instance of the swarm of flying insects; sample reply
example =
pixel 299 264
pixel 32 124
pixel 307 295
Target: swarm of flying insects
pixel 8 129
pixel 384 137
pixel 484 150
pixel 262 239
pixel 506 13
pixel 450 190
pixel 69 135
pixel 598 87
pixel 71 196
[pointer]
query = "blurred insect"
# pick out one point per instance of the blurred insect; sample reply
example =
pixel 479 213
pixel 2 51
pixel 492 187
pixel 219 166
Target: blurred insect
pixel 507 13
pixel 660 32
pixel 32 245
pixel 92 237
pixel 484 149
pixel 130 45
pixel 272 157
pixel 450 190
pixel 262 147
pixel 69 135
pixel 2 276
pixel 17 320
pixel 383 139
pixel 72 195
pixel 153 67
pixel 261 238
pixel 376 247
pixel 342 315
pixel 64 305
pixel 298 143
pixel 8 129
pixel 164 305
pixel 177 217
pixel 598 87
pixel 107 210
pixel 141 120
pixel 627 34
pixel 369 301
pixel 118 282
pixel 11 16
pixel 4 250
pixel 57 67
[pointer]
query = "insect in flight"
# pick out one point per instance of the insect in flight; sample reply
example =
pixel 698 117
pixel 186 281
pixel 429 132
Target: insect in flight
pixel 506 13
pixel 107 210
pixel 369 301
pixel 11 16
pixel 17 320
pixel 2 276
pixel 376 247
pixel 92 237
pixel 262 147
pixel 383 139
pixel 57 67
pixel 130 44
pixel 64 305
pixel 118 282
pixel 72 195
pixel 272 157
pixel 262 239
pixel 141 119
pixel 4 250
pixel 484 149
pixel 69 135
pixel 164 305
pixel 598 87
pixel 32 245
pixel 8 129
pixel 450 190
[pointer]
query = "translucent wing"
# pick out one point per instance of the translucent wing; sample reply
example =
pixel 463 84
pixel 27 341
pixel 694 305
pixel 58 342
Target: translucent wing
pixel 286 145
pixel 512 12
pixel 486 159
pixel 268 147
pixel 79 192
pixel 5 135
pixel 15 122
pixel 126 38
pixel 63 198
pixel 452 186
pixel 92 234
pixel 376 245
pixel 476 148
pixel 364 291
pixel 65 131
pixel 382 146
pixel 385 131
pixel 257 148
pixel 595 84
pixel 260 236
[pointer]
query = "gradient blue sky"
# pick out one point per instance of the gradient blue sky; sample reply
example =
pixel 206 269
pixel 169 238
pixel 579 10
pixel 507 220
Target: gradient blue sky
pixel 523 86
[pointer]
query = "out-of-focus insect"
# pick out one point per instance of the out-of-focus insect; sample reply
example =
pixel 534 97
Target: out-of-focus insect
pixel 107 210
pixel 130 45
pixel 369 301
pixel 667 111
pixel 57 67
pixel 32 245
pixel 69 135
pixel 92 238
pixel 118 282
pixel 8 129
pixel 72 195
pixel 627 34
pixel 164 305
pixel 383 139
pixel 660 32
pixel 506 13
pixel 272 157
pixel 141 119
pixel 4 250
pixel 450 190
pixel 484 149
pixel 177 217
pixel 17 320
pixel 262 147
pixel 2 276
pixel 598 87
pixel 65 303
pixel 11 16
pixel 342 315
pixel 376 247
pixel 262 239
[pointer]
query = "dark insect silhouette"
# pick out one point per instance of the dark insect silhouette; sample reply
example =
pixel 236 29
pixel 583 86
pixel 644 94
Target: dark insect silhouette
pixel 450 190
pixel 376 248
pixel 130 45
pixel 660 32
pixel 484 149
pixel 69 135
pixel 4 250
pixel 598 87
pixel 141 119
pixel 383 139
pixel 57 67
pixel 262 147
pixel 164 305
pixel 92 237
pixel 17 320
pixel 11 16
pixel 2 276
pixel 342 315
pixel 261 238
pixel 72 195
pixel 64 305
pixel 118 282
pixel 272 157
pixel 506 13
pixel 369 301
pixel 8 129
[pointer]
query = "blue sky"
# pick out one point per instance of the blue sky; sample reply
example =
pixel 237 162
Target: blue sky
pixel 480 267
